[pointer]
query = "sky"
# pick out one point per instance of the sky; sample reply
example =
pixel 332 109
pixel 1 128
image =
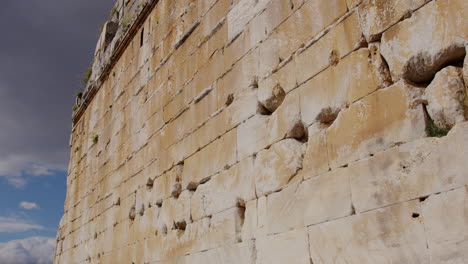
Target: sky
pixel 45 48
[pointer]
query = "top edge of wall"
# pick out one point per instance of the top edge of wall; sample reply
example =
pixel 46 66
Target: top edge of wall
pixel 125 18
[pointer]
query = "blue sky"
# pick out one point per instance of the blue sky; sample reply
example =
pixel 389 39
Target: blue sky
pixel 47 192
pixel 45 50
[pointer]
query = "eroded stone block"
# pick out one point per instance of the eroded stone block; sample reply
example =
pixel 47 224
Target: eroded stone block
pixel 434 36
pixel 388 235
pixel 446 221
pixel 445 97
pixel 290 247
pixel 276 166
pixel 225 190
pixel 330 89
pixel 376 16
pixel 374 123
pixel 313 201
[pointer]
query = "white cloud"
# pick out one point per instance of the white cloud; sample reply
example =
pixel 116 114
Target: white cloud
pixel 16 181
pixel 33 250
pixel 15 167
pixel 28 205
pixel 12 225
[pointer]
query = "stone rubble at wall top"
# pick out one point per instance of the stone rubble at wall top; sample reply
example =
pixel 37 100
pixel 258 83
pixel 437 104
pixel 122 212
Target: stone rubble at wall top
pixel 272 132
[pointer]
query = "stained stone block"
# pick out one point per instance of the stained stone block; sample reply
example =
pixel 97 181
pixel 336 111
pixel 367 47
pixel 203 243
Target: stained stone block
pixel 389 235
pixel 434 36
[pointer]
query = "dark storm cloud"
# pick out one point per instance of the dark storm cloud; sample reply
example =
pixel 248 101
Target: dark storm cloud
pixel 45 47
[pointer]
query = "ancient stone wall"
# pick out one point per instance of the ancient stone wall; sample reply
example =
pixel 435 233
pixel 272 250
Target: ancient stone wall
pixel 272 132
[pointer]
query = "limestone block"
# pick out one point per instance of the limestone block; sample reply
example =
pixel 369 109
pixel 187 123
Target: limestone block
pixel 243 107
pixel 313 201
pixel 308 21
pixel 435 35
pixel 262 217
pixel 446 220
pixel 211 159
pixel 353 3
pixel 316 157
pixel 445 97
pixel 271 97
pixel 289 247
pixel 267 21
pixel 286 121
pixel 162 185
pixel 388 235
pixel 252 136
pixel 376 16
pixel 175 211
pixel 241 14
pixel 342 39
pixel 353 78
pixel 230 254
pixel 249 229
pixel 410 171
pixel 225 228
pixel 224 190
pixel 284 76
pixel 276 166
pixel 375 123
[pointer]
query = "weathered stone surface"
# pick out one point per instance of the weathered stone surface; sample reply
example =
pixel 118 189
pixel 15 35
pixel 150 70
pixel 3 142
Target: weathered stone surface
pixel 224 190
pixel 375 123
pixel 286 121
pixel 342 39
pixel 435 35
pixel 445 97
pixel 388 235
pixel 230 254
pixel 376 16
pixel 316 157
pixel 252 136
pixel 242 12
pixel 327 89
pixel 277 165
pixel 220 153
pixel 290 247
pixel 271 97
pixel 353 3
pixel 465 69
pixel 313 201
pixel 446 221
pixel 199 159
pixel 410 171
pixel 303 25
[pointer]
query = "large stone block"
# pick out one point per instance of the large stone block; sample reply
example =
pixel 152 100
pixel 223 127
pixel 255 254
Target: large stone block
pixel 411 171
pixel 313 201
pixel 316 157
pixel 446 97
pixel 286 121
pixel 242 12
pixel 331 89
pixel 434 36
pixel 252 136
pixel 389 235
pixel 376 16
pixel 211 159
pixel 375 123
pixel 276 166
pixel 341 40
pixel 224 190
pixel 231 254
pixel 290 247
pixel 446 221
pixel 308 21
